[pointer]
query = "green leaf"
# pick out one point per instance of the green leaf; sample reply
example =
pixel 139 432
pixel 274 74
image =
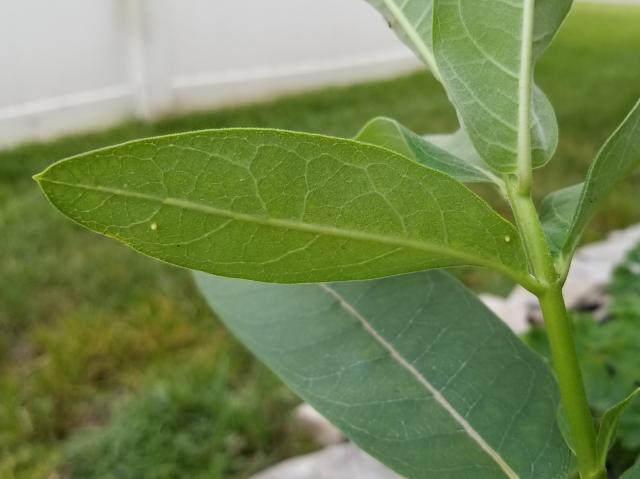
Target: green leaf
pixel 556 212
pixel 412 21
pixel 633 473
pixel 390 134
pixel 458 144
pixel 618 157
pixel 565 430
pixel 609 426
pixel 281 206
pixel 484 56
pixel 414 369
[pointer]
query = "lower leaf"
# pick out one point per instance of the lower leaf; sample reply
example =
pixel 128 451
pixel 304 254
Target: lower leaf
pixel 413 368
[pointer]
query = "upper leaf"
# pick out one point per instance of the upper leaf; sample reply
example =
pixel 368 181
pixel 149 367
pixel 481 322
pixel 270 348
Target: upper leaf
pixel 414 369
pixel 484 57
pixel 412 21
pixel 568 211
pixel 468 67
pixel 390 134
pixel 609 426
pixel 281 206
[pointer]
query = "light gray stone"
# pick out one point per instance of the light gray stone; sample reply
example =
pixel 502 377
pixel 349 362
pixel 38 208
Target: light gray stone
pixel 513 313
pixel 312 423
pixel 342 461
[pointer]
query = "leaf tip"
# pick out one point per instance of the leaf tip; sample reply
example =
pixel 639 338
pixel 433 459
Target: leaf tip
pixel 41 177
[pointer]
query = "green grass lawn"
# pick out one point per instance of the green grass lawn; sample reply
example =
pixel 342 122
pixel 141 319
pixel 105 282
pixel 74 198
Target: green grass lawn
pixel 110 364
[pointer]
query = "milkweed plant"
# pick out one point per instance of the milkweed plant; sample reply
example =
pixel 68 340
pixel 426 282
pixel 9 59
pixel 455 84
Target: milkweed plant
pixel 325 255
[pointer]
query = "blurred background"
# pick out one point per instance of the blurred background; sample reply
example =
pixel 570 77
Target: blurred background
pixel 111 366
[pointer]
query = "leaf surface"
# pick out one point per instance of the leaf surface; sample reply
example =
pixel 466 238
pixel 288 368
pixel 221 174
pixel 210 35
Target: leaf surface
pixel 390 134
pixel 481 51
pixel 609 426
pixel 575 206
pixel 412 21
pixel 633 473
pixel 414 369
pixel 281 206
pixel 474 49
pixel 556 213
pixel 459 144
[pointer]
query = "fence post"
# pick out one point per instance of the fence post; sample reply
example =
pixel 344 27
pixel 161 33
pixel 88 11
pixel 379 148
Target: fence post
pixel 147 38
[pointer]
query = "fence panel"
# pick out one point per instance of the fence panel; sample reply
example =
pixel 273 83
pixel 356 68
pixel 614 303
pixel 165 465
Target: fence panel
pixel 74 64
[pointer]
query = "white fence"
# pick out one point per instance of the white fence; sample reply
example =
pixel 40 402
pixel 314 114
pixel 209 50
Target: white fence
pixel 71 65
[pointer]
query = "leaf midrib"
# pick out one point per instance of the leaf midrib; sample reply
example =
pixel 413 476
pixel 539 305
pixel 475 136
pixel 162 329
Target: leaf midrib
pixel 294 225
pixel 414 36
pixel 396 356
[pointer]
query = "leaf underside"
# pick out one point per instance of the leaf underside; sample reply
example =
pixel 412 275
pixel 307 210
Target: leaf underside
pixel 477 55
pixel 413 368
pixel 411 21
pixel 281 207
pixel 478 47
pixel 390 134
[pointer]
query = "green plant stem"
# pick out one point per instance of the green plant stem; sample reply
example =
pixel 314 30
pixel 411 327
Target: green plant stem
pixel 560 333
pixel 537 249
pixel 524 98
pixel 572 391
